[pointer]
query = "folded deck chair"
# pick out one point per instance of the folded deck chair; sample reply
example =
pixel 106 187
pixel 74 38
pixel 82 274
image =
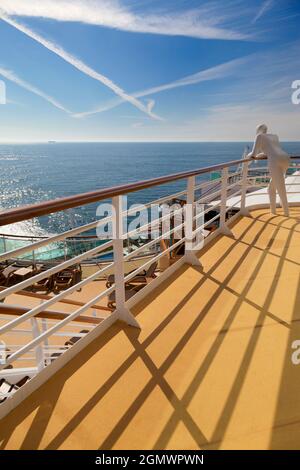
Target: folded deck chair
pixel 142 278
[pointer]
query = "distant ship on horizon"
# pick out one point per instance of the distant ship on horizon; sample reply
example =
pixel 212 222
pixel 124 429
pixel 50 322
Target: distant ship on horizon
pixel 51 141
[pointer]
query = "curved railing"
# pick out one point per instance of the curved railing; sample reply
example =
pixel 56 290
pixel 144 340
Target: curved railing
pixel 57 205
pixel 202 211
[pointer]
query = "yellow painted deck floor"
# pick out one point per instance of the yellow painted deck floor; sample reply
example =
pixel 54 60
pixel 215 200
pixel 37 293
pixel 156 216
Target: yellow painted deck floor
pixel 211 367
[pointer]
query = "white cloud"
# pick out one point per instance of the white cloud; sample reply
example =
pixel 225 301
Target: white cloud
pixel 11 76
pixel 208 22
pixel 225 124
pixel 79 65
pixel 238 122
pixel 265 7
pixel 214 73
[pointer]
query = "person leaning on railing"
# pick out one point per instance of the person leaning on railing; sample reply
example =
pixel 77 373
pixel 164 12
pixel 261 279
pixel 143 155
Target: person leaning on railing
pixel 268 145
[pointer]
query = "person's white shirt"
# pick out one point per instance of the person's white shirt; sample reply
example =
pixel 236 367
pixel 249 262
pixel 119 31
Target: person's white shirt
pixel 268 145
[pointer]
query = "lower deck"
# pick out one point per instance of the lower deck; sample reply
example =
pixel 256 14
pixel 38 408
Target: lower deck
pixel 211 367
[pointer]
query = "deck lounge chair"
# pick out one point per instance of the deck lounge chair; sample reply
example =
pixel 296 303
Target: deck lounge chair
pixel 21 274
pixel 55 355
pixel 6 274
pixel 178 251
pixel 6 387
pixel 74 339
pixel 45 285
pixel 142 278
pixel 2 278
pixel 67 278
pixel 129 292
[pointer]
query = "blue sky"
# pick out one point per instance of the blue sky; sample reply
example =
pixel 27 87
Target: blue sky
pixel 148 70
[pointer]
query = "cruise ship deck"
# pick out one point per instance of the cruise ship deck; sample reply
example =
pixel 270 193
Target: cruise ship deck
pixel 210 368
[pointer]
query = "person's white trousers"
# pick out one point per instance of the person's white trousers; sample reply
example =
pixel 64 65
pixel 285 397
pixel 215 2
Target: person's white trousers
pixel 278 168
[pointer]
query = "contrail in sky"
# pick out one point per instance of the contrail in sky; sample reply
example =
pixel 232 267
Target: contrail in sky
pixel 11 76
pixel 78 64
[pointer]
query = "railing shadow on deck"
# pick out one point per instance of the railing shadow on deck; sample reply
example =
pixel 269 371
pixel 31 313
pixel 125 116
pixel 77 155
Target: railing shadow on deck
pixel 44 410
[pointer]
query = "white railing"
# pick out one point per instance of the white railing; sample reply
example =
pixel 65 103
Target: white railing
pixel 38 354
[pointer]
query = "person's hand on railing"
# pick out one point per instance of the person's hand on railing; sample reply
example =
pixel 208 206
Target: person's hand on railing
pixel 260 156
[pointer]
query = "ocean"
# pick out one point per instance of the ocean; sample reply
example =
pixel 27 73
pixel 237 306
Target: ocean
pixel 31 173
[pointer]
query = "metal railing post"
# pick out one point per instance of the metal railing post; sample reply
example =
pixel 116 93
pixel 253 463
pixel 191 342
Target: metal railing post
pixel 190 254
pixel 244 211
pixel 223 210
pixel 4 244
pixel 39 353
pixel 44 329
pixel 65 250
pixel 123 312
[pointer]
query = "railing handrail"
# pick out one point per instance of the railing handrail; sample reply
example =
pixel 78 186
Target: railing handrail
pixel 34 295
pixel 56 205
pixel 81 238
pixel 16 310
